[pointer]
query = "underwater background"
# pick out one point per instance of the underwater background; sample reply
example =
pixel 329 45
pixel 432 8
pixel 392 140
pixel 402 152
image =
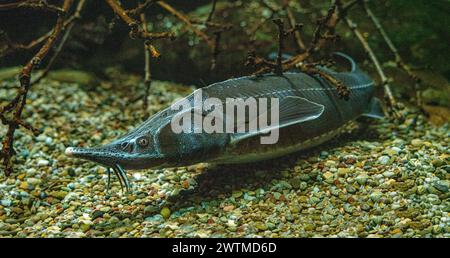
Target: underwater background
pixel 380 178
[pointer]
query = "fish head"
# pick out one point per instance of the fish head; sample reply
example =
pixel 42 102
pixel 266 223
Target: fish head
pixel 133 151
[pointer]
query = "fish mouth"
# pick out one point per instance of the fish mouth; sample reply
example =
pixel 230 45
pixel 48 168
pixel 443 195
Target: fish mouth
pixel 104 158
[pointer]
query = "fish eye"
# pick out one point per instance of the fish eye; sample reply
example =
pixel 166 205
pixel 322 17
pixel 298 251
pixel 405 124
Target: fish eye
pixel 143 141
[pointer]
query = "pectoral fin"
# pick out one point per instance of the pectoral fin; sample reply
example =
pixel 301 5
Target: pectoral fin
pixel 291 110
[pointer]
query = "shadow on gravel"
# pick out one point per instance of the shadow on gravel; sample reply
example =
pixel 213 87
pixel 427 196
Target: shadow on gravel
pixel 221 180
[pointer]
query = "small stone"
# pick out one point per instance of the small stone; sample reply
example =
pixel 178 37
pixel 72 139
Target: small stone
pixel 330 163
pixel 362 178
pixel 231 223
pixel 261 226
pixel 393 151
pixel 71 186
pixel 304 177
pixel 375 196
pixel 295 182
pixel 303 185
pixel 389 174
pixel 303 199
pixel 437 162
pixel 276 195
pixel 442 185
pixel 43 163
pixel 237 194
pixel 97 214
pixel 228 208
pixel 185 184
pixel 33 181
pixel 150 209
pixel 327 175
pixel 165 212
pixel 23 185
pixel 350 189
pixel 6 202
pixel 348 208
pixel 113 220
pixel 417 143
pixel 85 227
pixel 154 218
pixel 313 200
pixel 58 194
pixel 421 190
pixel 384 160
pixel 71 172
pixel 343 171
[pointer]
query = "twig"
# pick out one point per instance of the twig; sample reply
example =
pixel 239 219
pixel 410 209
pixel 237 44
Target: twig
pixel 140 8
pixel 312 69
pixel 148 77
pixel 186 20
pixel 323 33
pixel 19 101
pixel 71 22
pixel 38 5
pixel 211 13
pixel 17 46
pixel 12 46
pixel 293 24
pixel 135 30
pixel 398 59
pixel 216 49
pixel 384 80
pixel 281 36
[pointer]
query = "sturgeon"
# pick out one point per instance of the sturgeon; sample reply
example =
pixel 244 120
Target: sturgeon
pixel 310 113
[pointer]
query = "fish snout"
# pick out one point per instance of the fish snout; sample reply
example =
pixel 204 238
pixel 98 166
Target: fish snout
pixel 69 151
pixel 103 156
pixel 78 152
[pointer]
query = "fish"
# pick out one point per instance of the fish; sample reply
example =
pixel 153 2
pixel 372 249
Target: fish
pixel 311 112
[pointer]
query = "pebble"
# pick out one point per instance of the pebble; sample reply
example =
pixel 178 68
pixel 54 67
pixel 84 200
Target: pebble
pixel 237 194
pixel 261 226
pixel 362 178
pixel 295 183
pixel 58 194
pixel 417 142
pixel 343 171
pixel 389 174
pixel 97 214
pixel 43 163
pixel 330 163
pixel 384 160
pixel 442 185
pixel 375 196
pixel 165 212
pixel 328 177
pixel 276 195
pixel 228 208
pixel 6 202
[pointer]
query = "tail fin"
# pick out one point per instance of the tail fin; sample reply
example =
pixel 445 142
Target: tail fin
pixel 374 109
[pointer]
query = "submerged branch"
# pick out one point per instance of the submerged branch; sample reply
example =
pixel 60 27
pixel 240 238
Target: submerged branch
pixel 188 23
pixel 392 103
pixel 398 59
pixel 17 105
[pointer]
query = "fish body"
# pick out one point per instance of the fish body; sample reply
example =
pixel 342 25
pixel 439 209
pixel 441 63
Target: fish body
pixel 311 112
